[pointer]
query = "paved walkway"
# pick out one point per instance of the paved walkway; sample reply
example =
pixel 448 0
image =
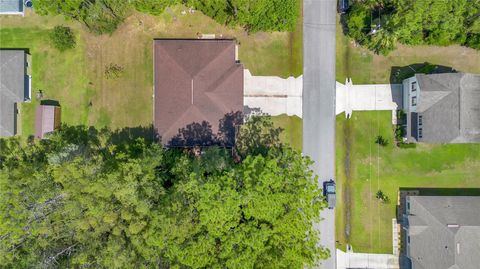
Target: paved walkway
pixel 366 260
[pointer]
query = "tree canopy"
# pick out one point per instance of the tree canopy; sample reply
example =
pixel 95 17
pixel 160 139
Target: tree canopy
pixel 100 16
pixel 93 198
pixel 154 7
pixel 254 15
pixel 380 24
pixel 63 38
pixel 104 16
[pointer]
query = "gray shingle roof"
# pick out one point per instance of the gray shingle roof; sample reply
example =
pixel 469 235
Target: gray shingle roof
pixel 449 105
pixel 9 6
pixel 435 245
pixel 12 87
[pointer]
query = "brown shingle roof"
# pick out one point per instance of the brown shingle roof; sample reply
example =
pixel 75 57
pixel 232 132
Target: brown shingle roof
pixel 195 81
pixel 47 120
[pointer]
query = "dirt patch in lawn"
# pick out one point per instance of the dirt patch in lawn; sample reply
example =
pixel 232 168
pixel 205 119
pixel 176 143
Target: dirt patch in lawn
pixel 347 197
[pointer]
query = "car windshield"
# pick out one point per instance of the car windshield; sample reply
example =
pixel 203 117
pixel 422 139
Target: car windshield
pixel 330 188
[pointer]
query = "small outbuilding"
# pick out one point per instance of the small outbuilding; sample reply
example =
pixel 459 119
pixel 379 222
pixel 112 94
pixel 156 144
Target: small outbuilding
pixel 47 120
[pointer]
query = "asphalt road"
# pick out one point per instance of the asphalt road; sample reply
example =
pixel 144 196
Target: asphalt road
pixel 319 104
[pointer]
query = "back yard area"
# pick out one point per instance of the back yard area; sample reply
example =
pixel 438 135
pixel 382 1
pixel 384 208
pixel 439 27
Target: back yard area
pixel 76 78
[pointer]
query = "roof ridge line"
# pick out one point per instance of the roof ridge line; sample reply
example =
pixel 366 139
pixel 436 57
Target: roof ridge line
pixel 445 227
pixel 173 60
pixel 215 84
pixel 8 92
pixel 213 60
pixel 183 115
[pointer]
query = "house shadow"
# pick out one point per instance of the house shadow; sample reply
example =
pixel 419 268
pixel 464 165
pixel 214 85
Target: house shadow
pixel 202 134
pixel 399 73
pixel 26 50
pixel 445 191
pixel 49 102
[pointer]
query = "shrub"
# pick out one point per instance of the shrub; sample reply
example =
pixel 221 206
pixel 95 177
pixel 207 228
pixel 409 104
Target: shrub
pixel 63 38
pixel 399 133
pixel 381 141
pixel 407 145
pixel 382 197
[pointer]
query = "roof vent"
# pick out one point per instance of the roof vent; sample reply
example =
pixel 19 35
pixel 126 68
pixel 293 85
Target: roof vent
pixel 453 225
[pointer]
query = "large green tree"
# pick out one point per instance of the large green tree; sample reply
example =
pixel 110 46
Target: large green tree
pixel 379 24
pixel 154 7
pixel 93 198
pixel 254 15
pixel 104 16
pixel 100 16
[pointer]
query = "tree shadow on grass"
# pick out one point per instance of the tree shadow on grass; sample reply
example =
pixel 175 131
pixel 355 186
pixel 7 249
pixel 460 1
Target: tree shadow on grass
pixel 132 133
pixel 84 135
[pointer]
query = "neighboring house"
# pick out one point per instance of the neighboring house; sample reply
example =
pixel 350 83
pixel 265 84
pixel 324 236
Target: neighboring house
pixel 11 7
pixel 47 120
pixel 442 108
pixel 197 83
pixel 442 232
pixel 15 87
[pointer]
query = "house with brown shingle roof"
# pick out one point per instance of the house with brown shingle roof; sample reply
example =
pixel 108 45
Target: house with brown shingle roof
pixel 198 83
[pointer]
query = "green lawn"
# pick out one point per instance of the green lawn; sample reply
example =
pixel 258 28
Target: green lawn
pixel 60 76
pixel 372 168
pixel 292 130
pixel 363 168
pixel 76 77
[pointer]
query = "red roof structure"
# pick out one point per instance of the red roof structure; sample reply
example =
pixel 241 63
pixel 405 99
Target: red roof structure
pixel 198 82
pixel 47 120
